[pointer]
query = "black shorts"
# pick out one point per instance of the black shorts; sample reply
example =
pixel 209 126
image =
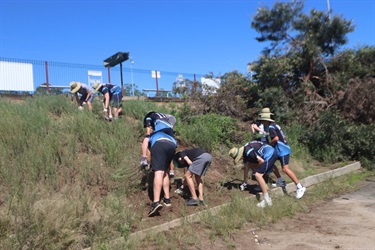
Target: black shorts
pixel 162 153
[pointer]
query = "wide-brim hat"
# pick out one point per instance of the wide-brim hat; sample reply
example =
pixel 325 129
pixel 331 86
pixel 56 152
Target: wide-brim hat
pixel 96 87
pixel 265 117
pixel 236 154
pixel 266 110
pixel 74 87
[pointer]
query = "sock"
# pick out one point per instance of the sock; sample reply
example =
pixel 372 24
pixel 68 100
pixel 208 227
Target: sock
pixel 266 197
pixel 171 172
pixel 299 186
pixel 280 179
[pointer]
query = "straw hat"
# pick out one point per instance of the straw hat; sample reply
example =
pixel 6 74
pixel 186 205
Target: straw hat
pixel 96 87
pixel 236 154
pixel 266 110
pixel 265 117
pixel 74 87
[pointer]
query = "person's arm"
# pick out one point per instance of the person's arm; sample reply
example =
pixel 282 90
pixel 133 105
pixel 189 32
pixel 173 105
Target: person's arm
pixel 77 99
pixel 149 130
pixel 257 128
pixel 188 161
pixel 274 140
pixel 260 160
pixel 88 95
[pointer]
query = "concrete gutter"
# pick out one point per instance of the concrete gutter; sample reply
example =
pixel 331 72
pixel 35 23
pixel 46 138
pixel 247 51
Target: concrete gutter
pixel 291 187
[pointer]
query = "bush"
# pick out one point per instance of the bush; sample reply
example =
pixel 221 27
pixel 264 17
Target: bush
pixel 207 131
pixel 335 139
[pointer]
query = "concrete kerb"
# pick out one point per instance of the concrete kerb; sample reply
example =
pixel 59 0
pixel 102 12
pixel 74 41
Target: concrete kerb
pixel 291 187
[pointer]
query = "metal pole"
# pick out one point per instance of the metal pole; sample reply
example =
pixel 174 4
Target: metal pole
pixel 109 75
pixel 131 71
pixel 47 81
pixel 157 87
pixel 329 9
pixel 122 83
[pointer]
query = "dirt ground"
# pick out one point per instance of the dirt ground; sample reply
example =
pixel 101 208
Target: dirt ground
pixel 346 222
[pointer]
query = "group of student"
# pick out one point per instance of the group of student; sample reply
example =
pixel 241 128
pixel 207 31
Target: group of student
pixel 162 145
pixel 259 155
pixel 112 102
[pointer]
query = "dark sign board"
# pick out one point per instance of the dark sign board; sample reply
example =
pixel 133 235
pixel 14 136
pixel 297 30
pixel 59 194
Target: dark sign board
pixel 116 59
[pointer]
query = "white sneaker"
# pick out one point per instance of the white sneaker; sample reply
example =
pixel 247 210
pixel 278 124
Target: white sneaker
pixel 264 203
pixel 300 192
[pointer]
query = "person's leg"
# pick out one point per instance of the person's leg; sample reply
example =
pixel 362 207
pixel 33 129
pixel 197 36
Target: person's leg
pixel 245 176
pixel 158 184
pixel 190 182
pixel 284 163
pixel 171 172
pixel 166 185
pixel 267 200
pixel 89 104
pixel 199 182
pixel 290 173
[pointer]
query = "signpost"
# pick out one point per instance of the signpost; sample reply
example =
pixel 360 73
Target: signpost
pixel 156 74
pixel 112 61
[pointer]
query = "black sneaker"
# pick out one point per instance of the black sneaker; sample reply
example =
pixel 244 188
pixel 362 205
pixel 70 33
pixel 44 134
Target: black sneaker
pixel 192 202
pixel 155 208
pixel 167 202
pixel 201 202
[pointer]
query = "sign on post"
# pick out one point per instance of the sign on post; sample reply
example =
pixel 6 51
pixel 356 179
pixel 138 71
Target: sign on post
pixel 155 74
pixel 94 77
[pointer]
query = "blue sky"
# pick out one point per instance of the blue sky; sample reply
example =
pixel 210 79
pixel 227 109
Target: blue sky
pixel 197 36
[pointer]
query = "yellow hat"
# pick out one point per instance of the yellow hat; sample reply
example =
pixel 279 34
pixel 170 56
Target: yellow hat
pixel 96 87
pixel 265 117
pixel 236 154
pixel 74 87
pixel 266 110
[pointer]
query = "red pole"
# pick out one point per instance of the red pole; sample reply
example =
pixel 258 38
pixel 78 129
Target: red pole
pixel 157 86
pixel 47 81
pixel 109 75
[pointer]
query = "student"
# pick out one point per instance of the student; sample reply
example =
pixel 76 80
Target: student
pixel 279 142
pixel 260 133
pixel 155 122
pixel 259 157
pixel 113 98
pixel 84 91
pixel 197 161
pixel 162 148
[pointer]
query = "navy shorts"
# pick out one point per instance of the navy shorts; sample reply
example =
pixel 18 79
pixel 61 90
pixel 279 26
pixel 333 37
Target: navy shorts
pixel 162 153
pixel 116 100
pixel 267 165
pixel 284 160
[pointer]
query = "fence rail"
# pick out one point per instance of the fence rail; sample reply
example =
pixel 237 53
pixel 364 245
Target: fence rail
pixel 27 75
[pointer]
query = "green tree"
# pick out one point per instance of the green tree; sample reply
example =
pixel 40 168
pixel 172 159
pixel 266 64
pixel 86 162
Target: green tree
pixel 299 45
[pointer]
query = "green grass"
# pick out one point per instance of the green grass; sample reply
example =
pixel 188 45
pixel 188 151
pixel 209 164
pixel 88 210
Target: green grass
pixel 67 176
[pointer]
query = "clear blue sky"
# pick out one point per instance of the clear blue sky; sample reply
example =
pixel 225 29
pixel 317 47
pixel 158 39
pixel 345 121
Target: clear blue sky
pixel 196 36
